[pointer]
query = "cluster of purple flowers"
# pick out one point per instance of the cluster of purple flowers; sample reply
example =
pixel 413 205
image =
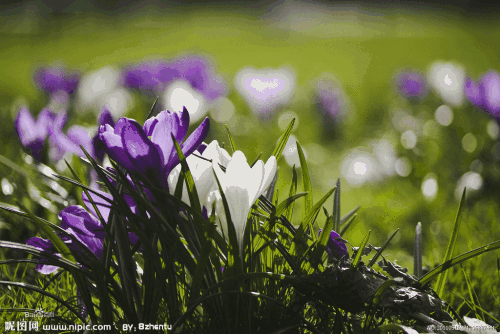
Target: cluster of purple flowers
pixel 156 75
pixel 33 134
pixel 485 94
pixel 146 150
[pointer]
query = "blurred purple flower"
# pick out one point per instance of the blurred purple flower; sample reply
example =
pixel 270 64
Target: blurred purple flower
pixel 33 133
pixel 150 75
pixel 54 79
pixel 330 99
pixel 62 144
pixel 149 150
pixel 411 85
pixel 335 249
pixel 156 75
pixel 486 93
pixel 200 74
pixel 264 90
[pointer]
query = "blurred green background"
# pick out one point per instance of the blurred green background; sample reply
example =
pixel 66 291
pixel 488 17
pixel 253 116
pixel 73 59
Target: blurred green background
pixel 364 46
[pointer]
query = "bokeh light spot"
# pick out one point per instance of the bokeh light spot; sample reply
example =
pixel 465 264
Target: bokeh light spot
pixel 444 115
pixel 493 129
pixel 408 139
pixel 7 188
pixel 469 142
pixel 403 166
pixel 430 187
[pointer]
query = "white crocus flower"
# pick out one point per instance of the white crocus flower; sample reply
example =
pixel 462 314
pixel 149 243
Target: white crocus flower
pixel 202 173
pixel 242 185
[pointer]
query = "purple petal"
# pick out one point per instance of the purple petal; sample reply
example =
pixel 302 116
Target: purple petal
pixel 53 79
pixel 190 145
pixel 411 85
pixel 106 118
pixel 114 147
pixel 473 93
pixel 144 155
pixel 80 136
pixel 85 228
pixel 490 89
pixel 334 248
pixel 168 124
pixel 42 244
pixel 104 206
pixel 46 246
pixel 149 125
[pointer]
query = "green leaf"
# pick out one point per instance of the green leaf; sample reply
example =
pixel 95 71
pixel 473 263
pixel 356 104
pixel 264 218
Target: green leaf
pixel 283 140
pixel 456 260
pixel 233 249
pixel 191 188
pixel 336 208
pixel 360 250
pixel 386 243
pixel 299 235
pixel 417 252
pixel 49 233
pixel 231 141
pixel 306 185
pixel 451 246
pixel 152 108
pixel 322 242
pixel 288 202
pixel 347 225
pixel 293 191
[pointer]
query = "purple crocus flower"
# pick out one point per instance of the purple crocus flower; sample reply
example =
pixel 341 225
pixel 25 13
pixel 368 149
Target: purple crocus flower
pixel 156 75
pixel 83 227
pixel 61 144
pixel 335 249
pixel 86 230
pixel 149 150
pixel 150 75
pixel 33 133
pixel 54 79
pixel 411 85
pixel 198 71
pixel 331 100
pixel 486 93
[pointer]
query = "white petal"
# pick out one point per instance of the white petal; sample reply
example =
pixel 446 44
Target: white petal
pixel 269 172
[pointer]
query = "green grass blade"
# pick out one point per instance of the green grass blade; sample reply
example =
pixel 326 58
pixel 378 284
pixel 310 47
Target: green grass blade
pixel 347 225
pixel 49 233
pixel 288 202
pixel 233 251
pixel 231 141
pixel 191 188
pixel 45 293
pixel 283 140
pixel 299 235
pixel 417 252
pixel 336 208
pixel 306 185
pixel 322 242
pixel 386 243
pixel 293 191
pixel 472 295
pixel 360 250
pixel 456 260
pixel 451 246
pixel 152 108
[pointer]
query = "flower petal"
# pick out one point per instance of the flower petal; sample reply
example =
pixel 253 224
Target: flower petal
pixel 191 144
pixel 144 155
pixel 114 146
